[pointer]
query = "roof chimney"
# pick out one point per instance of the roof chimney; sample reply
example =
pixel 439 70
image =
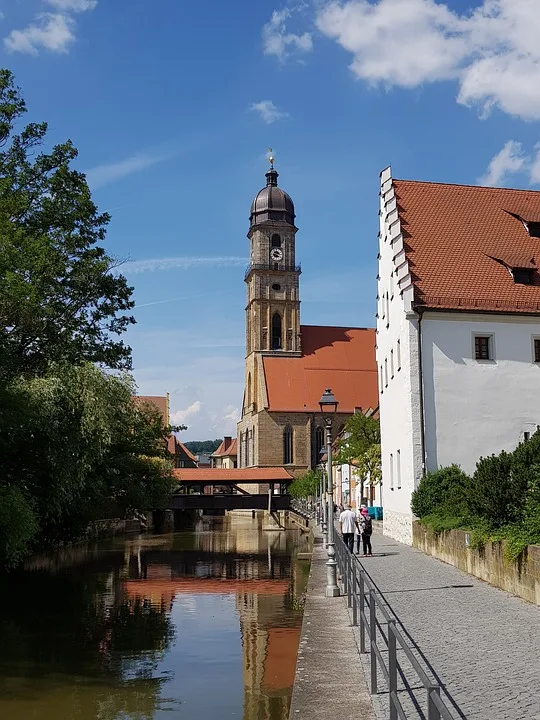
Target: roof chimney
pixel 227 441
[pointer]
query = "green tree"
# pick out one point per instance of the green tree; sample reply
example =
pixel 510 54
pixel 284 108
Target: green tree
pixel 360 434
pixel 306 485
pixel 442 491
pixel 60 300
pixel 494 496
pixel 368 465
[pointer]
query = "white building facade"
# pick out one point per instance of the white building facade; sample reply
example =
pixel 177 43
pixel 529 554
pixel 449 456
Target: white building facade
pixel 458 331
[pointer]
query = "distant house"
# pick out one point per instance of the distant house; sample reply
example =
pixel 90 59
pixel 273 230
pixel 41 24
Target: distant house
pixel 204 460
pixel 226 456
pixel 183 458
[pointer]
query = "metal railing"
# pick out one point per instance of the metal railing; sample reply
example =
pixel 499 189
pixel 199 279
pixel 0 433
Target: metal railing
pixel 367 606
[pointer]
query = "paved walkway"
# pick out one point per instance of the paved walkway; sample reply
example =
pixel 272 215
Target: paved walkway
pixel 329 681
pixel 482 643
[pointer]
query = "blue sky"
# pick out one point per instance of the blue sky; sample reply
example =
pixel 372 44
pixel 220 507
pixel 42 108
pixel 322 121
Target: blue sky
pixel 173 104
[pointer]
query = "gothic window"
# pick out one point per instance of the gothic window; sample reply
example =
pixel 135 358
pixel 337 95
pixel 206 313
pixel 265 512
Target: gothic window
pixel 276 332
pixel 276 241
pixel 319 439
pixel 288 445
pixel 249 392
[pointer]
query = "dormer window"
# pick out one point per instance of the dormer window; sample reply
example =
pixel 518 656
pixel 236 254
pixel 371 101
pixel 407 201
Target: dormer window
pixel 534 229
pixel 522 276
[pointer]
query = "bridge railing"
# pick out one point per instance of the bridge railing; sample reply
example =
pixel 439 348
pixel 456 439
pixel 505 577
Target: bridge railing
pixel 381 637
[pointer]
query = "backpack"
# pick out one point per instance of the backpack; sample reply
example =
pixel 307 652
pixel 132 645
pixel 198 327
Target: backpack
pixel 367 528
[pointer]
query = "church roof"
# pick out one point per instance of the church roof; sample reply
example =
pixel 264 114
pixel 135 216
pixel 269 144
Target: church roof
pixel 464 244
pixel 340 358
pixel 272 203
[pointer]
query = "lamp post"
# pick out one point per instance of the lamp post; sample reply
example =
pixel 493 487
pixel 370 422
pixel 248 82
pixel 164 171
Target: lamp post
pixel 328 405
pixel 324 498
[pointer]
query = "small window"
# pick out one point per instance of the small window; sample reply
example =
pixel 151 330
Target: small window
pixel 398 355
pixel 391 363
pixel 522 276
pixel 482 347
pixel 526 436
pixel 398 469
pixel 537 350
pixel 276 331
pixel 385 372
pixel 381 378
pixel 534 229
pixel 276 241
pixel 276 286
pixel 391 471
pixel 288 445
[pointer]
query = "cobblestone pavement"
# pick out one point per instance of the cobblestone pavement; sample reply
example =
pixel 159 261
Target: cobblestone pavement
pixel 481 643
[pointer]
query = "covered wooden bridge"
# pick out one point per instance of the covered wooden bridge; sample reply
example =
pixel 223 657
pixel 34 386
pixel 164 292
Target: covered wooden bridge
pixel 232 489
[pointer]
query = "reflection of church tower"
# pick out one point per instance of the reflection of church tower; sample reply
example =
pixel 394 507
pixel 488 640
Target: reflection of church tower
pixel 273 302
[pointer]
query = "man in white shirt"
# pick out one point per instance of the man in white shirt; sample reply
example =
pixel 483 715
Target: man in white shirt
pixel 347 523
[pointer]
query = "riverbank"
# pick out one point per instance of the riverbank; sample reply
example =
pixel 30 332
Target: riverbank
pixel 329 678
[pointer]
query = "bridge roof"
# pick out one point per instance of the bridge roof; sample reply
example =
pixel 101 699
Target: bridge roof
pixel 232 476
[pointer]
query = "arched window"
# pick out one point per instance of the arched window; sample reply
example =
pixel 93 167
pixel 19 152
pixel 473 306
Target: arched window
pixel 319 440
pixel 276 241
pixel 288 445
pixel 249 392
pixel 276 332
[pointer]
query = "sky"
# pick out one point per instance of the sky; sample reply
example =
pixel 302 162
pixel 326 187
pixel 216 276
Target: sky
pixel 173 104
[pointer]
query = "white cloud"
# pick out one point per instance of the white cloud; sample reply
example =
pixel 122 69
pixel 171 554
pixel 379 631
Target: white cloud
pixel 180 416
pixel 277 41
pixel 108 173
pixel 534 169
pixel 231 414
pixel 140 266
pixel 492 52
pixel 50 31
pixel 73 5
pixel 268 111
pixel 511 159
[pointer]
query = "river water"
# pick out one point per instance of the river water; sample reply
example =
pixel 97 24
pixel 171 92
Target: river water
pixel 196 626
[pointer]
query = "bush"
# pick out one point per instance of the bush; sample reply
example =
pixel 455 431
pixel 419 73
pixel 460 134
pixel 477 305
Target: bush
pixel 18 525
pixel 495 493
pixel 441 492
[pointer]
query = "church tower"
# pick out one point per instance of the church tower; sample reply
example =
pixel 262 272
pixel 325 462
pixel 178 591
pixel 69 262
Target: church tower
pixel 272 278
pixel 273 304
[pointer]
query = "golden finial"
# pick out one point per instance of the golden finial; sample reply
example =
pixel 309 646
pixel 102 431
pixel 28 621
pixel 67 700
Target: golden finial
pixel 271 158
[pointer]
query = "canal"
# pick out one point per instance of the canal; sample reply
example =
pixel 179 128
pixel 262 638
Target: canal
pixel 202 625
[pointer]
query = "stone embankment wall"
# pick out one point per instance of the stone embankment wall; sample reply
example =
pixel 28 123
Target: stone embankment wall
pixel 488 563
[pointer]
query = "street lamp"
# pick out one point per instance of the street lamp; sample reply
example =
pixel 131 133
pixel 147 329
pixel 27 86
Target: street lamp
pixel 329 405
pixel 324 497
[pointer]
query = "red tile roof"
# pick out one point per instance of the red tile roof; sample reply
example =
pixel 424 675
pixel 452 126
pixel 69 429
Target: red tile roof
pixel 231 450
pixel 160 402
pixel 340 358
pixel 232 476
pixel 174 446
pixel 460 242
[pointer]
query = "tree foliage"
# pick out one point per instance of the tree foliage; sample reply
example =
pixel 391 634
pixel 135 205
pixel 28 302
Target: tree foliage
pixel 442 491
pixel 368 465
pixel 59 301
pixel 203 446
pixel 306 485
pixel 359 435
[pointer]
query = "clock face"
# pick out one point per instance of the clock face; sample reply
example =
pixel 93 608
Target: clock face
pixel 276 254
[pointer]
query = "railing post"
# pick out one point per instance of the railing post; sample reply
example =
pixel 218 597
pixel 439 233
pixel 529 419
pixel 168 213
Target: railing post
pixel 362 609
pixel 432 710
pixel 373 641
pixel 349 578
pixel 354 595
pixel 392 668
pixel 344 572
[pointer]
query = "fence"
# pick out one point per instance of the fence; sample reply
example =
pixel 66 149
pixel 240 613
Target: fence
pixel 367 607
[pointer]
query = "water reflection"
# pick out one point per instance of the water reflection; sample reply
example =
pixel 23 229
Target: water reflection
pixel 185 625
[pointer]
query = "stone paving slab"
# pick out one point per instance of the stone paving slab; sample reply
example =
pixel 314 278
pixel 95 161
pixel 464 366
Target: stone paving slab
pixel 329 680
pixel 481 643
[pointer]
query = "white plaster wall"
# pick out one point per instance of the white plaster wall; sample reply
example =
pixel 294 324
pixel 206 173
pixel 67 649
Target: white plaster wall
pixel 399 398
pixel 474 408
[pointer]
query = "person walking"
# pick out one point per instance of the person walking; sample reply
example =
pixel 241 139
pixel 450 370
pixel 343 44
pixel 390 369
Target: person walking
pixel 366 528
pixel 357 529
pixel 347 523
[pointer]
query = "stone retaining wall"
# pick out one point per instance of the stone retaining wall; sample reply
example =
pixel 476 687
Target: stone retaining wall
pixel 521 577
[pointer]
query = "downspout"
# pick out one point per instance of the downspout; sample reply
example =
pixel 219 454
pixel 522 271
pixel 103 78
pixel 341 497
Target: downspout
pixel 421 393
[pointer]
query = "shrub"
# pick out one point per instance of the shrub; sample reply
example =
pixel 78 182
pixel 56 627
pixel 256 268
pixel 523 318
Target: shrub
pixel 495 494
pixel 441 492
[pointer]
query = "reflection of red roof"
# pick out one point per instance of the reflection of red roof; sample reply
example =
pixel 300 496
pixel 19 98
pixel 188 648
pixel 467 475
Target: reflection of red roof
pixel 332 357
pixel 153 589
pixel 280 660
pixel 455 234
pixel 158 401
pixel 232 475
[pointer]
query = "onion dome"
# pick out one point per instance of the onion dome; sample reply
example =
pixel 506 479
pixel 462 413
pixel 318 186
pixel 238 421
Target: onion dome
pixel 272 203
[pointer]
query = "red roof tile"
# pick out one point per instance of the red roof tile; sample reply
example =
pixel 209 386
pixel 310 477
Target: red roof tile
pixel 160 402
pixel 460 241
pixel 236 475
pixel 332 357
pixel 226 452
